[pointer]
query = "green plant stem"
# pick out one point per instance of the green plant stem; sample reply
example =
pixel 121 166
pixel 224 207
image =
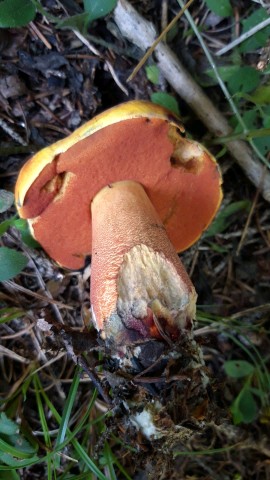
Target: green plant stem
pixel 42 416
pixel 44 12
pixel 67 411
pixel 7 151
pixel 244 37
pixel 211 451
pixel 221 83
pixel 263 132
pixel 76 445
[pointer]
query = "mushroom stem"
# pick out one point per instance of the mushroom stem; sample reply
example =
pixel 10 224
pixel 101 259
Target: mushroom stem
pixel 139 287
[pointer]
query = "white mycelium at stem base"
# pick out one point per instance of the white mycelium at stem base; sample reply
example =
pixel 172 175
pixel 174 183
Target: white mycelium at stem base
pixel 139 287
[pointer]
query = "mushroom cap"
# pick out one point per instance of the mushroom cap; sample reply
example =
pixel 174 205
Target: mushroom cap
pixel 137 141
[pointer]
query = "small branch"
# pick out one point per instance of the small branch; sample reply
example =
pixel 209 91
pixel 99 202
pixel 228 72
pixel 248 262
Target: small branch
pixel 247 225
pixel 12 133
pixel 107 63
pixel 40 35
pixel 143 34
pixel 14 356
pixel 262 132
pixel 244 37
pixel 22 289
pixel 162 36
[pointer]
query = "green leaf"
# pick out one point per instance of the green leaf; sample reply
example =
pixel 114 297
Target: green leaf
pixel 77 22
pixel 225 73
pixel 261 96
pixel 217 248
pixel 25 449
pixel 238 368
pixel 16 446
pixel 266 116
pixel 5 225
pixel 16 13
pixel 223 220
pixel 166 100
pixel 152 73
pixel 10 474
pixel 266 71
pixel 93 9
pixel 11 263
pixel 222 8
pixel 9 460
pixel 23 227
pixel 260 393
pixel 244 408
pixel 6 200
pixel 263 144
pixel 98 8
pixel 7 426
pixel 260 38
pixel 244 80
pixel 250 118
pixel 8 314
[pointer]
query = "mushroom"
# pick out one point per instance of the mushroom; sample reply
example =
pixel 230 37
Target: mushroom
pixel 129 188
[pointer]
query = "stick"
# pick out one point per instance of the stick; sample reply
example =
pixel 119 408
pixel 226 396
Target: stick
pixel 244 37
pixel 143 34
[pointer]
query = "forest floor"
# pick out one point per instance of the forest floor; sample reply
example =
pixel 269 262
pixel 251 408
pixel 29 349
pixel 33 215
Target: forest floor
pixel 53 80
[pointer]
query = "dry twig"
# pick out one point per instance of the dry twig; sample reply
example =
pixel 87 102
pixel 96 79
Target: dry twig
pixel 14 135
pixel 107 63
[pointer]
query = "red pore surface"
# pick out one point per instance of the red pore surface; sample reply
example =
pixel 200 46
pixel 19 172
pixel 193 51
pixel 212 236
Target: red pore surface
pixel 137 149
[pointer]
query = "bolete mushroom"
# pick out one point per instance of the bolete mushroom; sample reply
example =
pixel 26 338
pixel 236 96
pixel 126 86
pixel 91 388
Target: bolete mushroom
pixel 129 188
